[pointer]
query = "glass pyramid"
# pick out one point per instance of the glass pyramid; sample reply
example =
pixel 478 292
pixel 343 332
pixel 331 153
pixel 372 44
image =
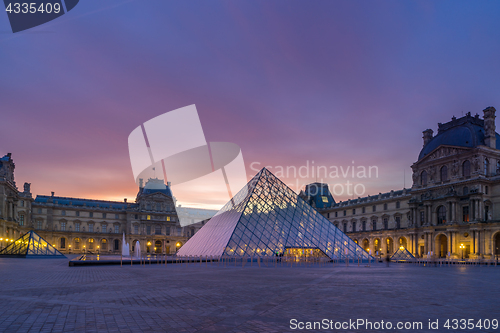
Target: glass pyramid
pixel 402 254
pixel 266 218
pixel 30 245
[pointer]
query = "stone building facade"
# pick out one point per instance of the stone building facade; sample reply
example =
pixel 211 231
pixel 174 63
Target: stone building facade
pixel 76 225
pixel 452 209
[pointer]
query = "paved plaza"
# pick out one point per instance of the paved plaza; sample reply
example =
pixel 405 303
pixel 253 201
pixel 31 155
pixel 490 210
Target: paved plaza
pixel 46 295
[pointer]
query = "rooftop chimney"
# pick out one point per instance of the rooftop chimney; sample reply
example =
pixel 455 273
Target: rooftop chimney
pixel 428 135
pixel 489 127
pixel 125 200
pixel 52 194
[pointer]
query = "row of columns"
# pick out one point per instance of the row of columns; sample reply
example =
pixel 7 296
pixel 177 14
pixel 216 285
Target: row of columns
pixel 476 212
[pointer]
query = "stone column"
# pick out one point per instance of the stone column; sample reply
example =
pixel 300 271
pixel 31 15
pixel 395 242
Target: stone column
pixel 448 250
pixel 454 212
pixel 476 241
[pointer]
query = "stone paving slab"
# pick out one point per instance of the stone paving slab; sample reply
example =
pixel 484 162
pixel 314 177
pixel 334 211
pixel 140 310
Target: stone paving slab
pixel 46 295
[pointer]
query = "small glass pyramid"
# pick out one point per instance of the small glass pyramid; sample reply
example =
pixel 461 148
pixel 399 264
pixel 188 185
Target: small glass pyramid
pixel 267 218
pixel 402 254
pixel 30 245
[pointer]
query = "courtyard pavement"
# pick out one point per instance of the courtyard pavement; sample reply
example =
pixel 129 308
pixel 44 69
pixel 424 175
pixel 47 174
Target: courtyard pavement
pixel 48 296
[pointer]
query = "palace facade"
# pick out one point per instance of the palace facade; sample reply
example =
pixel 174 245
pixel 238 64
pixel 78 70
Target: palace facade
pixel 76 225
pixel 451 211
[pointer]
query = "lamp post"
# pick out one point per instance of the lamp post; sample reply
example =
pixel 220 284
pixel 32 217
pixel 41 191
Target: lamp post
pixel 462 247
pixel 97 249
pixel 69 248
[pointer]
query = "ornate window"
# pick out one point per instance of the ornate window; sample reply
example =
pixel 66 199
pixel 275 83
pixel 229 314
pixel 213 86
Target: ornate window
pixel 63 226
pixel 136 229
pixel 441 215
pixel 77 243
pixel 21 219
pixel 104 228
pixel 77 226
pixel 63 243
pixel 104 244
pixel 91 228
pixel 398 222
pixel 117 229
pixel 466 169
pixel 157 230
pixel 386 223
pixel 486 167
pixel 444 173
pixel 374 224
pixel 465 213
pixel 423 178
pixel 39 224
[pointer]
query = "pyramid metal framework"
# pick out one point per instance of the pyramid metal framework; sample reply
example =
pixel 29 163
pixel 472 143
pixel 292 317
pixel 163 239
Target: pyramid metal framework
pixel 266 218
pixel 402 254
pixel 31 245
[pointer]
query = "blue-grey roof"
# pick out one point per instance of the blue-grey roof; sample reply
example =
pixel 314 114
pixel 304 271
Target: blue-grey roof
pixel 81 202
pixel 467 131
pixel 316 192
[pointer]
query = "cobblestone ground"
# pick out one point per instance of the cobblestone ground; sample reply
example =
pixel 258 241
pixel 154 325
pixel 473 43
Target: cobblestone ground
pixel 48 296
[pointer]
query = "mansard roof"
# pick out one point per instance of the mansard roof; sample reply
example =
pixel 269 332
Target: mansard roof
pixel 87 203
pixel 467 131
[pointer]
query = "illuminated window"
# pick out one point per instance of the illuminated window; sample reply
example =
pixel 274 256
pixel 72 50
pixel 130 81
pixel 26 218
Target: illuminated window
pixel 77 243
pixel 465 213
pixel 149 217
pixel 441 215
pixel 104 244
pixel 324 198
pixel 168 218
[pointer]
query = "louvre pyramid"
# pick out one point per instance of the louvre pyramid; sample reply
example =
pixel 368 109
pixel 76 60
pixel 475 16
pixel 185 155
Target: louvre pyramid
pixel 266 217
pixel 31 245
pixel 402 254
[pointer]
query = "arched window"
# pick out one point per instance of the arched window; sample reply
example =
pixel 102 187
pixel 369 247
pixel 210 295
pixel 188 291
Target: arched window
pixel 423 178
pixel 466 169
pixel 104 244
pixel 486 167
pixel 63 243
pixel 444 173
pixel 441 215
pixel 77 243
pixel 117 245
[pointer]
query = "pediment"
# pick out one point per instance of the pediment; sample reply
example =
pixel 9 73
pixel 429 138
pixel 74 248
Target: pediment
pixel 442 152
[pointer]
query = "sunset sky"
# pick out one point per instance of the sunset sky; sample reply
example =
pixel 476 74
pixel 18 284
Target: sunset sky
pixel 290 82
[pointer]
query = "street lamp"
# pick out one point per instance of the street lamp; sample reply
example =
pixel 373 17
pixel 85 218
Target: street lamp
pixel 462 247
pixel 97 249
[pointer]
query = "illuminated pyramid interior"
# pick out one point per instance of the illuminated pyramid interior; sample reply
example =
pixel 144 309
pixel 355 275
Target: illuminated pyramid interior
pixel 266 218
pixel 30 245
pixel 402 254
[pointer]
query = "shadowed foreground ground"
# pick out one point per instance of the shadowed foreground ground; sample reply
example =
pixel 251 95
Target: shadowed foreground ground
pixel 46 295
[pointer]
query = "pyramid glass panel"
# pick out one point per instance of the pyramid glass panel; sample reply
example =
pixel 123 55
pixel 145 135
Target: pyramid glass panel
pixel 31 245
pixel 402 254
pixel 266 218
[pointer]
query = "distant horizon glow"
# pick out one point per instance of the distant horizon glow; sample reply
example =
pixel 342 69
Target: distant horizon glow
pixel 287 81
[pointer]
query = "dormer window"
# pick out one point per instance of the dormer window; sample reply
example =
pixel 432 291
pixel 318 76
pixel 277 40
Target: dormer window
pixel 466 169
pixel 444 173
pixel 423 178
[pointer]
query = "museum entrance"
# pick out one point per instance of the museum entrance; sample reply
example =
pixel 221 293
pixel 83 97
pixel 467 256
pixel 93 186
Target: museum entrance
pixel 300 253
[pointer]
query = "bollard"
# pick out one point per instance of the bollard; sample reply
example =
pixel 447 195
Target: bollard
pixel 258 260
pixel 121 260
pixel 130 260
